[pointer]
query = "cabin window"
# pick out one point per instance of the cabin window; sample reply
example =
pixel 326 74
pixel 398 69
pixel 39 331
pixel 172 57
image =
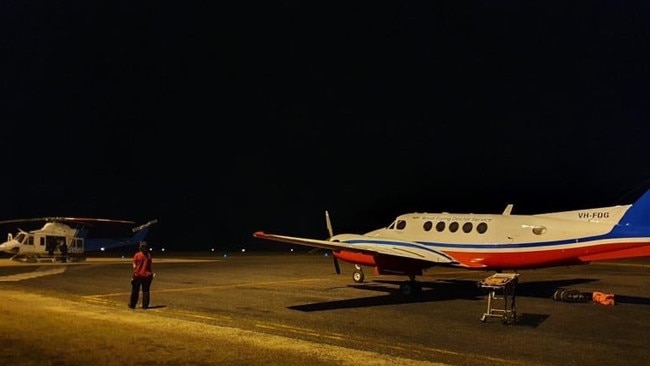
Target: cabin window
pixel 467 227
pixel 427 226
pixel 401 224
pixel 453 227
pixel 440 226
pixel 481 228
pixel 30 240
pixel 76 243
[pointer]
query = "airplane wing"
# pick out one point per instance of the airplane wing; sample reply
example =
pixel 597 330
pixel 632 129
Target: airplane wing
pixel 367 245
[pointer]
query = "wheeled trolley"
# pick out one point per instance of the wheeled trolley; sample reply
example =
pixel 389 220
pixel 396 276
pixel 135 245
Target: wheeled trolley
pixel 500 286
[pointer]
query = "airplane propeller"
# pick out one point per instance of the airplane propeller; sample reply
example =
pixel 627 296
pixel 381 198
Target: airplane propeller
pixel 83 220
pixel 328 222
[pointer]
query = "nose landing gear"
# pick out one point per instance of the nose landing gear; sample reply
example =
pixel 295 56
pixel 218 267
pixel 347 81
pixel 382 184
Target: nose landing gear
pixel 358 275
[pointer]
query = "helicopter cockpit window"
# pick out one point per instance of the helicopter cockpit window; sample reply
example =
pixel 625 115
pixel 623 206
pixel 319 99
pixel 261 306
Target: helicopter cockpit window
pixel 20 237
pixel 401 224
pixel 391 226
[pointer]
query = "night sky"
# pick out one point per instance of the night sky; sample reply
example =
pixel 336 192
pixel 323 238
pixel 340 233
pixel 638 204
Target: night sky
pixel 221 118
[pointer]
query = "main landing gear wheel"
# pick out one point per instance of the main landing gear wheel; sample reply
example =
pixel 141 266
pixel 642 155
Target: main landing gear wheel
pixel 410 288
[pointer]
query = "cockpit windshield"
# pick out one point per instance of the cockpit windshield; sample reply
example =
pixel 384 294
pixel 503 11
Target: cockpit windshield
pixel 20 237
pixel 392 225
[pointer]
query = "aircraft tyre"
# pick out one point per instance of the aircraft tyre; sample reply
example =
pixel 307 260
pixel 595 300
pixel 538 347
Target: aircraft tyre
pixel 358 276
pixel 410 288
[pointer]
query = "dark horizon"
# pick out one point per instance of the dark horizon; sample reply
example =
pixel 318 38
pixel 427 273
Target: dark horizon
pixel 223 119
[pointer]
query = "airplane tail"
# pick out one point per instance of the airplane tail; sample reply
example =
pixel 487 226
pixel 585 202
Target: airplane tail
pixel 108 243
pixel 141 232
pixel 635 225
pixel 638 215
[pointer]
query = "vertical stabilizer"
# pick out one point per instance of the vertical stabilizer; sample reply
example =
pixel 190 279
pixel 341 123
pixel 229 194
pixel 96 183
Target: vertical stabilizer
pixel 639 213
pixel 141 232
pixel 508 209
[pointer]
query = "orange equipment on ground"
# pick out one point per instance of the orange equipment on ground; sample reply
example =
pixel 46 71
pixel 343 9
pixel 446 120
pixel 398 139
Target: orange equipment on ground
pixel 602 298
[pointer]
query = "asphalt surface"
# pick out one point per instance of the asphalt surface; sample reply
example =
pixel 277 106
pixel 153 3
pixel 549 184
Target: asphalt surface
pixel 298 299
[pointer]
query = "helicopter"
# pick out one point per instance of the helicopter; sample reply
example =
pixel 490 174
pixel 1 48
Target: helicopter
pixel 65 238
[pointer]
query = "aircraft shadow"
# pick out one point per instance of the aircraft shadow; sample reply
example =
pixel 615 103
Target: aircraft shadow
pixel 530 320
pixel 363 302
pixel 622 299
pixel 546 289
pixel 451 289
pixel 431 291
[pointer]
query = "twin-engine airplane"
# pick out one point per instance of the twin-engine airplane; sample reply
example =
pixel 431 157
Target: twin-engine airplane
pixel 415 242
pixel 65 236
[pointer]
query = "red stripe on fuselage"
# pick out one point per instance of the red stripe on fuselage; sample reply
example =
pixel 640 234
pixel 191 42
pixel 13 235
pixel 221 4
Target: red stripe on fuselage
pixel 508 260
pixel 550 258
pixel 637 251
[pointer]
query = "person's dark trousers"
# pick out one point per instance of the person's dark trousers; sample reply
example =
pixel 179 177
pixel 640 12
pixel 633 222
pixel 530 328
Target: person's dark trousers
pixel 146 285
pixel 136 284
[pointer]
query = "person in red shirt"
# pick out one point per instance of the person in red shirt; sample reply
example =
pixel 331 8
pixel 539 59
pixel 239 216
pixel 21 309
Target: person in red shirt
pixel 142 276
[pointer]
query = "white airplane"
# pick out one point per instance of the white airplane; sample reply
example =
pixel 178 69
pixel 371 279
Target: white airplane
pixel 415 242
pixel 47 242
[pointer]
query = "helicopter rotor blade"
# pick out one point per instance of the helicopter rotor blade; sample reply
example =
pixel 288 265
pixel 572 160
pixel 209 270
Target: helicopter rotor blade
pixel 91 219
pixel 23 220
pixel 67 219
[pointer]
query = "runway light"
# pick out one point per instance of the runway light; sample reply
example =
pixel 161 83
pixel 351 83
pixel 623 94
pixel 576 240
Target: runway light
pixel 163 249
pixel 102 249
pixel 212 250
pixel 243 250
pixel 292 249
